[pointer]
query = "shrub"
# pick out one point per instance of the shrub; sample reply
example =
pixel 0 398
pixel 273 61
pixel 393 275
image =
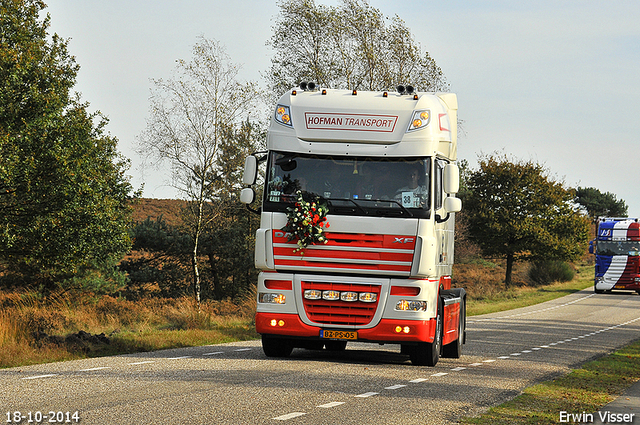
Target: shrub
pixel 546 272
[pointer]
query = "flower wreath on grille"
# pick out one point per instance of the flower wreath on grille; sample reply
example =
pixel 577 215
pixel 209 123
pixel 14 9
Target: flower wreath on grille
pixel 306 221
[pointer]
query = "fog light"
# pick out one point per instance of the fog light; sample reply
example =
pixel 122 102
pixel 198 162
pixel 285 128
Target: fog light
pixel 349 296
pixel 281 323
pixel 313 294
pixel 330 295
pixel 398 329
pixel 368 297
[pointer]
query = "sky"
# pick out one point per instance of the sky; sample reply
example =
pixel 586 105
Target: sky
pixel 553 81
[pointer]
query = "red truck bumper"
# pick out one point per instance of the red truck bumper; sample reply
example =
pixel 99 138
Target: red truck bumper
pixel 388 330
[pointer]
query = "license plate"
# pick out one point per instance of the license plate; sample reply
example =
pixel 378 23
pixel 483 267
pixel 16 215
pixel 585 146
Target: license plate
pixel 328 334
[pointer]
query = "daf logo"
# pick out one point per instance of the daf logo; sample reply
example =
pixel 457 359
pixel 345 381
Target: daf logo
pixel 281 234
pixel 403 240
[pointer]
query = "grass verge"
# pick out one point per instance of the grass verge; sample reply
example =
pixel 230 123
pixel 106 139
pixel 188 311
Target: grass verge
pixel 584 390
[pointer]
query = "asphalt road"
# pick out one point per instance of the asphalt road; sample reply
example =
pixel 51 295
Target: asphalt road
pixel 366 384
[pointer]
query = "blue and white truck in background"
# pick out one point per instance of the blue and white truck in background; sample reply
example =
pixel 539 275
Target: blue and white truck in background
pixel 617 251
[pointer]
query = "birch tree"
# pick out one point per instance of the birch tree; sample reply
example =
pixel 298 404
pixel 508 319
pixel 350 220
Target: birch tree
pixel 189 114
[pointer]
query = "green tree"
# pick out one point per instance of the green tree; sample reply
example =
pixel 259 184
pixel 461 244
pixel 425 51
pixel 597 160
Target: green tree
pixel 518 212
pixel 348 46
pixel 598 204
pixel 190 114
pixel 229 244
pixel 64 195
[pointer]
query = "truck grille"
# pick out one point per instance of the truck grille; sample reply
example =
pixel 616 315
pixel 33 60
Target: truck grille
pixel 348 253
pixel 340 312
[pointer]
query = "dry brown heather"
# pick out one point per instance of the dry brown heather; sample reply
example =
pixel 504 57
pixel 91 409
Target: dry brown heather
pixel 60 327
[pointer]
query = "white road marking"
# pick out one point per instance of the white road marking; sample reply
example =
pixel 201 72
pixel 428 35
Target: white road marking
pixel 458 369
pixel 531 312
pixel 244 349
pixel 94 368
pixel 416 381
pixel 440 374
pixel 395 387
pixel 332 404
pixel 179 358
pixel 369 394
pixel 213 354
pixel 289 416
pixel 145 362
pixel 41 376
pixel 488 361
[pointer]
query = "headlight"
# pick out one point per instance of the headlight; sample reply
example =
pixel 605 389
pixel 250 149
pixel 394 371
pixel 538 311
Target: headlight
pixel 269 298
pixel 420 120
pixel 410 305
pixel 283 115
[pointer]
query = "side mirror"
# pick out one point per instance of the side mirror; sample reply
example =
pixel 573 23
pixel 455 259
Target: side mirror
pixel 451 178
pixel 250 170
pixel 247 195
pixel 452 205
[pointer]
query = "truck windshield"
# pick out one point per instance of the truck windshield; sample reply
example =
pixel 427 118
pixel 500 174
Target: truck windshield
pixel 350 185
pixel 617 247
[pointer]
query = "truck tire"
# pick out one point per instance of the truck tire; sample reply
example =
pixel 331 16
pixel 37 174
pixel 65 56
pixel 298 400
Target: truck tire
pixel 428 353
pixel 453 350
pixel 276 347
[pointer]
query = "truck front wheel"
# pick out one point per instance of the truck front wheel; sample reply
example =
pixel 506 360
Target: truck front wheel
pixel 276 347
pixel 428 353
pixel 453 350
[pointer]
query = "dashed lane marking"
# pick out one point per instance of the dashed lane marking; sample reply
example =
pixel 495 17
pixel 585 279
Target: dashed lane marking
pixel 365 395
pixel 145 362
pixel 395 387
pixel 289 416
pixel 330 405
pixel 41 376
